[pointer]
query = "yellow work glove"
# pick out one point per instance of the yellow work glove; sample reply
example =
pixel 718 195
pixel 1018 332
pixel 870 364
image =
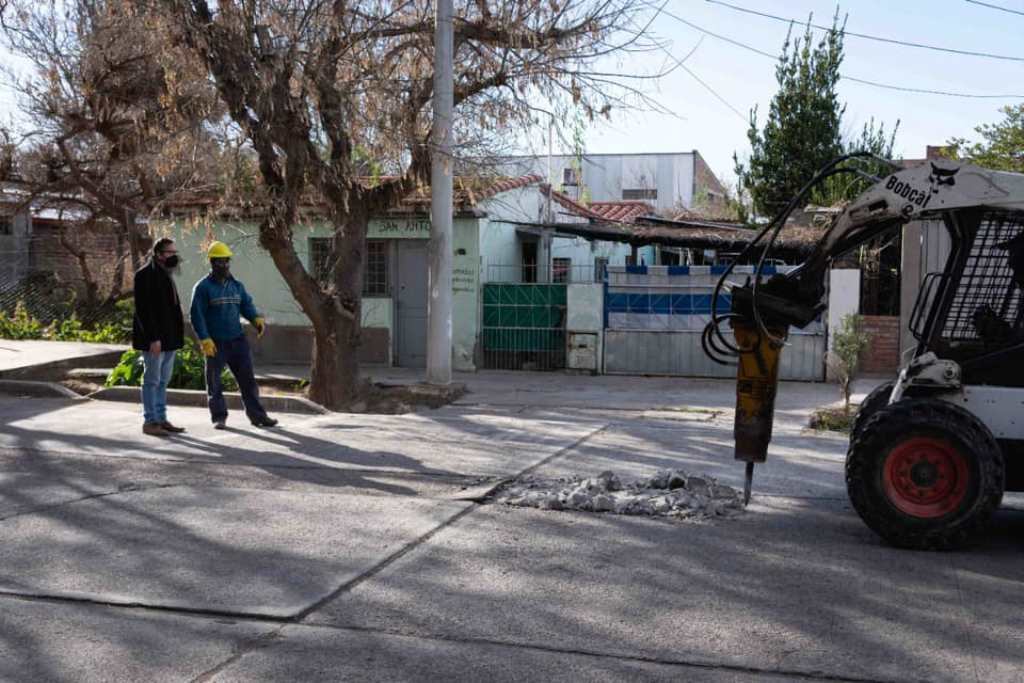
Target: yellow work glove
pixel 261 326
pixel 208 347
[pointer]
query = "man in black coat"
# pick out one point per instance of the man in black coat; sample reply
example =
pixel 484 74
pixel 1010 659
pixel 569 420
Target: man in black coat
pixel 158 331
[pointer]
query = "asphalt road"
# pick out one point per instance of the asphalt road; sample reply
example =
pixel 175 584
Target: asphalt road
pixel 345 547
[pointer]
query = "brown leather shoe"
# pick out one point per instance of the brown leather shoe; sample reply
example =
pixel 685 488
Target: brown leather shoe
pixel 154 429
pixel 168 427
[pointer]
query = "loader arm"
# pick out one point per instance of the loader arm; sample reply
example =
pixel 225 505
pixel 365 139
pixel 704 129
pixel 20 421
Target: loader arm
pixel 928 191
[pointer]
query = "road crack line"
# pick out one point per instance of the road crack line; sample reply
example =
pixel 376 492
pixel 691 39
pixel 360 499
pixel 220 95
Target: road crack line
pixel 417 542
pixel 91 496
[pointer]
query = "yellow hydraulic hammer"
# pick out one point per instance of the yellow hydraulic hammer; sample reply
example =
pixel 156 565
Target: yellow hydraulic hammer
pixel 757 378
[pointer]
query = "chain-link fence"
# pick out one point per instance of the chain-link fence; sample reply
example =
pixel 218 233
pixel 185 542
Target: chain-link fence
pixel 59 289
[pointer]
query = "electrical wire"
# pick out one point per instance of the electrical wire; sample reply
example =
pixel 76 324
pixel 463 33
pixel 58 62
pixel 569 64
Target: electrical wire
pixel 680 63
pixel 891 41
pixel 863 81
pixel 713 92
pixel 1001 9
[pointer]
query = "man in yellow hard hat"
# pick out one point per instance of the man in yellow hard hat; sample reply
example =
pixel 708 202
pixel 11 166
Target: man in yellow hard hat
pixel 218 302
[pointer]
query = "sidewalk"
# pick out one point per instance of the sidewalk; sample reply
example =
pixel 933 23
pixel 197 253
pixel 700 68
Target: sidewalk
pixel 49 360
pixel 513 388
pixel 344 547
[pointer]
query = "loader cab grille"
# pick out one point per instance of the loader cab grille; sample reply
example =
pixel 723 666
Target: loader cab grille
pixel 986 304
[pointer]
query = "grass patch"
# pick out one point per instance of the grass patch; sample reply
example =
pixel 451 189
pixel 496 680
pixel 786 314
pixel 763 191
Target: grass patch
pixel 833 420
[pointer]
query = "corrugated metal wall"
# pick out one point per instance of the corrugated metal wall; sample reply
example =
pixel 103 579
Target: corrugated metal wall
pixel 655 316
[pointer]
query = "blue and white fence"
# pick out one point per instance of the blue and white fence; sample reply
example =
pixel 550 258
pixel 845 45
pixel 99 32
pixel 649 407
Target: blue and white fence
pixel 654 317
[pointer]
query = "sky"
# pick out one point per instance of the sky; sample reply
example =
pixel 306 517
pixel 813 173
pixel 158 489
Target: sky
pixel 744 79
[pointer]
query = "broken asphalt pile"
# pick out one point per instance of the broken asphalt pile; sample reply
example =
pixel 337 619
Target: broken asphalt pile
pixel 669 493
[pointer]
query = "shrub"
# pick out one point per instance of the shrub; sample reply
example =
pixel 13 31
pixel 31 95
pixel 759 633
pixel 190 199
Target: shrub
pixel 117 329
pixel 847 346
pixel 833 420
pixel 20 324
pixel 189 370
pixel 128 371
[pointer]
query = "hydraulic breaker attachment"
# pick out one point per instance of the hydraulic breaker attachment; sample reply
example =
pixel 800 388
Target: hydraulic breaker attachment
pixel 757 379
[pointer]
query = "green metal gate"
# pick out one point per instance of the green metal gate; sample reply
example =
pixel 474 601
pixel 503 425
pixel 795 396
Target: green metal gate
pixel 524 326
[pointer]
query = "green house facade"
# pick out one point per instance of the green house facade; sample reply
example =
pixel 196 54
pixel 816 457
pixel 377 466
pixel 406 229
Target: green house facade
pixel 496 240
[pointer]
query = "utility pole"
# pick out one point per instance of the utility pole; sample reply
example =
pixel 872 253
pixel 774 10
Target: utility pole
pixel 439 279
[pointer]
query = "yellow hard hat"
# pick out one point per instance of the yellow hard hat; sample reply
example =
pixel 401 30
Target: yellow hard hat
pixel 219 250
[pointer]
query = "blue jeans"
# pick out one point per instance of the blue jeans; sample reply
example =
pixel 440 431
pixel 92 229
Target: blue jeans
pixel 236 355
pixel 155 377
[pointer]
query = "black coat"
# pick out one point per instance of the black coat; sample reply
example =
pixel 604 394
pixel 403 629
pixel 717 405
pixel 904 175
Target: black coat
pixel 158 314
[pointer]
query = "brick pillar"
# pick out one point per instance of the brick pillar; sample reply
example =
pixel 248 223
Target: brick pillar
pixel 883 354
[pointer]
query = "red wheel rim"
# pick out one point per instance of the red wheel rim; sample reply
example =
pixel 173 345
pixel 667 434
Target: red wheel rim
pixel 925 477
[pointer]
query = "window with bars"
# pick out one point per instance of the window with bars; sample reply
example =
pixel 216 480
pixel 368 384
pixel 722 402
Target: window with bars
pixel 319 258
pixel 375 271
pixel 600 268
pixel 986 304
pixel 560 269
pixel 375 268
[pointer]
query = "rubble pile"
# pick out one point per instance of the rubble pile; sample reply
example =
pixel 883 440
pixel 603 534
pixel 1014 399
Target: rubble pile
pixel 669 493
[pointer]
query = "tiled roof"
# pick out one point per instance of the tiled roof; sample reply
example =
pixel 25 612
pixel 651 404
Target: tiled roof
pixel 468 192
pixel 626 211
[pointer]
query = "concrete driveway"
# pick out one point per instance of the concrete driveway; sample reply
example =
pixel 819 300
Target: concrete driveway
pixel 344 547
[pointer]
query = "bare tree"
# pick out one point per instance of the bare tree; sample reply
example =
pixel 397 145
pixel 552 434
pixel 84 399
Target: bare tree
pixel 113 132
pixel 319 87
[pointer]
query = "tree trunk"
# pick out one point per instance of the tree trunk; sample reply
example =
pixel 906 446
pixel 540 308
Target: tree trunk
pixel 117 277
pixel 92 287
pixel 334 312
pixel 335 380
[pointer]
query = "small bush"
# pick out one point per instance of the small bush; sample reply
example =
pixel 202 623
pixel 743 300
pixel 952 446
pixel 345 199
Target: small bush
pixel 189 370
pixel 833 419
pixel 847 346
pixel 20 324
pixel 128 371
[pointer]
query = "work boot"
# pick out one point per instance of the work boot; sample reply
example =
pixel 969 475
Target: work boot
pixel 265 421
pixel 168 427
pixel 220 424
pixel 154 429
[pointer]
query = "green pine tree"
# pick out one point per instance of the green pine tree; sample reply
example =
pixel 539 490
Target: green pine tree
pixel 803 129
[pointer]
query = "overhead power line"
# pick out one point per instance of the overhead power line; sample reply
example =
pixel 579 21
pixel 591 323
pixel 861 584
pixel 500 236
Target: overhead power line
pixel 891 41
pixel 715 93
pixel 680 63
pixel 863 81
pixel 1001 9
pixel 925 91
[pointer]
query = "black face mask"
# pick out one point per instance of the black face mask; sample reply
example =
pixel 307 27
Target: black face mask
pixel 172 262
pixel 220 270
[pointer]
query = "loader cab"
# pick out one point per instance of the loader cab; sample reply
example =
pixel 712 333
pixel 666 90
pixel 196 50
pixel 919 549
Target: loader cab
pixel 972 312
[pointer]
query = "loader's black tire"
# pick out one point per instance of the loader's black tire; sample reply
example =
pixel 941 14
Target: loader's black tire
pixel 878 398
pixel 925 474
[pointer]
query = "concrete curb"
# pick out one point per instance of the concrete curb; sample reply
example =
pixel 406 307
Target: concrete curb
pixel 189 397
pixel 16 387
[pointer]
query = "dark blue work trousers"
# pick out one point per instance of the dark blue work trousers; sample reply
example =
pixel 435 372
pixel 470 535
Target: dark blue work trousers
pixel 236 355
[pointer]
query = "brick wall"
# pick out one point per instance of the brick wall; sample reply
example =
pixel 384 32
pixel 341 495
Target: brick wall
pixel 48 255
pixel 883 354
pixel 704 179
